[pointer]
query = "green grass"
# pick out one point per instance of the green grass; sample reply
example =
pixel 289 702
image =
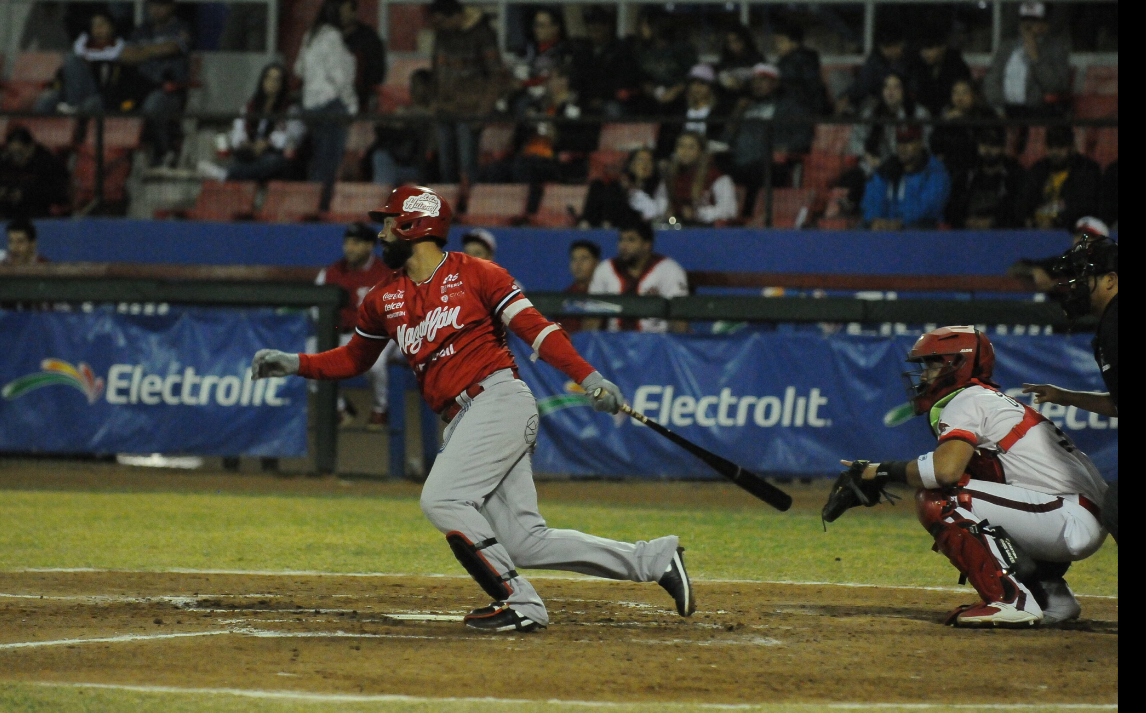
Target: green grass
pixel 31 698
pixel 158 531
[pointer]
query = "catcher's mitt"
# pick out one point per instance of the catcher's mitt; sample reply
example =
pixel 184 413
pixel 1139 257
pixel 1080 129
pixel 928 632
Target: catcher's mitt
pixel 851 490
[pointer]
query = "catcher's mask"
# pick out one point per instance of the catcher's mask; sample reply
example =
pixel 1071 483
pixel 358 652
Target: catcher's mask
pixel 1092 257
pixel 418 213
pixel 963 355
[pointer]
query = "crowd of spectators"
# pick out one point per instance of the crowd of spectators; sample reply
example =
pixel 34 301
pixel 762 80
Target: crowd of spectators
pixel 713 141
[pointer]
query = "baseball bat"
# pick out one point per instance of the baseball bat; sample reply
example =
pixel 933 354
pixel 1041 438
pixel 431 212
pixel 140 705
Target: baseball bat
pixel 744 478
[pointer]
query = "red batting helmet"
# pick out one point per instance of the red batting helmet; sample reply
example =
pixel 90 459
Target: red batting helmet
pixel 966 355
pixel 419 212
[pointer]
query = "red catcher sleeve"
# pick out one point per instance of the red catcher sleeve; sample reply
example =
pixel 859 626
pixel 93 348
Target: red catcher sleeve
pixel 549 340
pixel 342 363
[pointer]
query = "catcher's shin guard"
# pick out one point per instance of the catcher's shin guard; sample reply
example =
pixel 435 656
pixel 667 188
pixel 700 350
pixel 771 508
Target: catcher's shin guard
pixel 470 557
pixel 985 555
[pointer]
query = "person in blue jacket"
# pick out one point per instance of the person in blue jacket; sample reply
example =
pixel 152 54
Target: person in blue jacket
pixel 910 189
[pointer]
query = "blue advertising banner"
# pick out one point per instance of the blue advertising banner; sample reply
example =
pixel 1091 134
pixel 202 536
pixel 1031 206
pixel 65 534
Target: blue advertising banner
pixel 784 403
pixel 173 381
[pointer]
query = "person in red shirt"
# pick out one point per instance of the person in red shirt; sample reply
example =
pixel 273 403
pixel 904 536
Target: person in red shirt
pixel 357 273
pixel 449 314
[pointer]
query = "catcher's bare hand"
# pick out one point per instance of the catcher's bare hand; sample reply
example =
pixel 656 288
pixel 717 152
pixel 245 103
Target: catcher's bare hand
pixel 1044 393
pixel 272 362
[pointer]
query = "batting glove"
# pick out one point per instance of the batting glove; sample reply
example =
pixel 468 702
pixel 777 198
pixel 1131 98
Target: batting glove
pixel 272 362
pixel 604 394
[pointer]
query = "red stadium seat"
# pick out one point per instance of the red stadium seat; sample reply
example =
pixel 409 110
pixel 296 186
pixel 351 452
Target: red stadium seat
pixel 116 170
pixel 1101 80
pixel 118 133
pixel 290 202
pixel 359 138
pixel 821 170
pixel 791 207
pixel 221 202
pixel 627 137
pixel 496 204
pixel 400 68
pixel 31 73
pixel 55 133
pixel 391 97
pixel 350 201
pixel 496 143
pixel 1096 106
pixel 451 192
pixel 404 23
pixel 560 204
pixel 831 138
pixel 606 165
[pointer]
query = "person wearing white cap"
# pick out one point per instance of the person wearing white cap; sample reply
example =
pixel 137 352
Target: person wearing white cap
pixel 1030 74
pixel 702 107
pixel 479 242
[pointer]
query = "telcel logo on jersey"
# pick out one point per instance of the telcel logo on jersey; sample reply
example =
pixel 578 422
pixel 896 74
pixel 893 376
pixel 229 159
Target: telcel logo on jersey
pixel 724 409
pixel 410 340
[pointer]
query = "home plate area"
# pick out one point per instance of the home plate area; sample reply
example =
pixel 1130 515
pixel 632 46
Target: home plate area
pixel 749 642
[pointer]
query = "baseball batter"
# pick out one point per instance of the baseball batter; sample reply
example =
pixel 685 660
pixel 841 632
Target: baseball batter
pixel 1009 499
pixel 449 314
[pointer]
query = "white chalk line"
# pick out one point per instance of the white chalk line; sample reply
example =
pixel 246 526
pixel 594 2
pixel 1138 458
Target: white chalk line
pixel 394 698
pixel 559 577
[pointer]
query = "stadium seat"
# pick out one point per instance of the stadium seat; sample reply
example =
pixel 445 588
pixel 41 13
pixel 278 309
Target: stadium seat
pixel 391 97
pixel 606 165
pixel 359 138
pixel 31 73
pixel 290 202
pixel 56 133
pixel 821 170
pixel 560 206
pixel 221 202
pixel 627 137
pixel 350 201
pixel 831 138
pixel 451 192
pixel 1101 79
pixel 791 207
pixel 116 170
pixel 1096 106
pixel 496 143
pixel 496 204
pixel 121 133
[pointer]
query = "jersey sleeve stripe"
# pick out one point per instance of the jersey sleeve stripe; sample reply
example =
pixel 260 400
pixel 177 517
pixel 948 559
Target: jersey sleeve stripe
pixel 504 301
pixel 360 333
pixel 514 309
pixel 542 335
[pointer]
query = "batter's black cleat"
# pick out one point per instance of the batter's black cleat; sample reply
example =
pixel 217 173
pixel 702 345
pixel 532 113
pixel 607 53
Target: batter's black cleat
pixel 676 582
pixel 499 617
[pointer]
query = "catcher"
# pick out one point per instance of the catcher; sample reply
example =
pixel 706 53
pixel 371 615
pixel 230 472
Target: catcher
pixel 1009 499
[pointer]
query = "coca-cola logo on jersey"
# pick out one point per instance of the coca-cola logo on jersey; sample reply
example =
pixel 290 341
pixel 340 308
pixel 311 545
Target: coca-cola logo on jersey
pixel 426 203
pixel 410 338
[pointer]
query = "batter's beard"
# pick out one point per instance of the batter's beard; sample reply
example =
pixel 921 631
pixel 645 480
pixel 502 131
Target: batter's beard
pixel 395 253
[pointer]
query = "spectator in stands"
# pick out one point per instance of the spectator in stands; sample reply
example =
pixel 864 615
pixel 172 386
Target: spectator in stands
pixel 697 192
pixel 957 146
pixel 637 194
pixel 91 78
pixel 606 75
pixel 21 234
pixel 262 148
pixel 584 256
pixel 941 66
pixel 402 145
pixel 874 143
pixel 984 195
pixel 909 190
pixel 1062 187
pixel 1110 194
pixel 704 111
pixel 1030 74
pixel 547 50
pixel 768 100
pixel 890 56
pixel 637 270
pixel 327 69
pixel 32 178
pixel 357 273
pixel 369 54
pixel 158 50
pixel 799 66
pixel 469 78
pixel 480 243
pixel 738 56
pixel 664 61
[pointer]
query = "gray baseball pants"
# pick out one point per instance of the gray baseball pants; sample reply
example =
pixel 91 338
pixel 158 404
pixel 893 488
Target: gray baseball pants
pixel 481 485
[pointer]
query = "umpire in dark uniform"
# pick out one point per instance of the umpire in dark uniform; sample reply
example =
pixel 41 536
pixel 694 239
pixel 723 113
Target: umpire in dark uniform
pixel 1089 271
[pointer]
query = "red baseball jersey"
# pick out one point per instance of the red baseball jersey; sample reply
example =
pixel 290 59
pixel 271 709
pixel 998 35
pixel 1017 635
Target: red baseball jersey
pixel 356 281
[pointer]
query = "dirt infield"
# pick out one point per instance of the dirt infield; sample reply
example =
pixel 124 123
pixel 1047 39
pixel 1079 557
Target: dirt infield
pixel 750 642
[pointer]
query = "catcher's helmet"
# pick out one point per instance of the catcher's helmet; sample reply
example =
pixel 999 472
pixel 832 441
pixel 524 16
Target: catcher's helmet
pixel 1093 256
pixel 418 211
pixel 966 355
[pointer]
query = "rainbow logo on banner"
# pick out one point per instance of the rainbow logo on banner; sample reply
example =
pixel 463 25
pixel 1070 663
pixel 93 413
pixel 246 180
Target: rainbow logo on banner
pixel 57 371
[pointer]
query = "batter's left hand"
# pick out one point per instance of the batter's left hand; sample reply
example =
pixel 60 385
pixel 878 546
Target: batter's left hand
pixel 604 394
pixel 868 472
